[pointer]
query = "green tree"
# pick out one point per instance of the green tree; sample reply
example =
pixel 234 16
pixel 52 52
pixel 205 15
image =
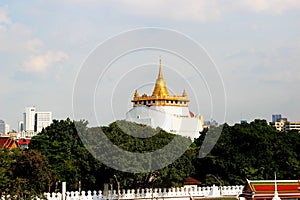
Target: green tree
pixel 68 158
pixel 252 150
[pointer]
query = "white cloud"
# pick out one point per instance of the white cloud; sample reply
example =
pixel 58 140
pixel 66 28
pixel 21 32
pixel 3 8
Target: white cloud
pixel 34 44
pixel 189 10
pixel 40 63
pixel 15 38
pixel 193 10
pixel 272 7
pixel 204 10
pixel 3 16
pixel 18 41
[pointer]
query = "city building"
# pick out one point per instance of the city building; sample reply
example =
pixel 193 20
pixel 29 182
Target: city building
pixel 20 126
pixel 293 126
pixel 243 121
pixel 282 124
pixel 33 122
pixel 29 119
pixel 169 112
pixel 2 127
pixel 42 120
pixel 7 129
pixel 276 118
pixel 211 123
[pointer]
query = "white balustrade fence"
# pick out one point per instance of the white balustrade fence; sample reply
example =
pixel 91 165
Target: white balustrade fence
pixel 148 194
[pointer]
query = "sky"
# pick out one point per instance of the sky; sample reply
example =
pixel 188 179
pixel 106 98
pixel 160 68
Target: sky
pixel 253 45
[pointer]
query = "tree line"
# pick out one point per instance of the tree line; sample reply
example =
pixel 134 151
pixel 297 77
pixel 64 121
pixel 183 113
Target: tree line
pixel 250 150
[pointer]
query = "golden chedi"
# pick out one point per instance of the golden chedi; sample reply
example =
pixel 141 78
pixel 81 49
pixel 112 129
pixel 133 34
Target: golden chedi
pixel 170 113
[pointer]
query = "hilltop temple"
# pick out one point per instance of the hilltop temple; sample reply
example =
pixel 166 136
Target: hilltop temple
pixel 169 112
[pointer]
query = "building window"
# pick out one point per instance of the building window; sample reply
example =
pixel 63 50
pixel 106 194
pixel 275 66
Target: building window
pixel 167 101
pixel 144 102
pixel 149 101
pixel 171 101
pixel 176 101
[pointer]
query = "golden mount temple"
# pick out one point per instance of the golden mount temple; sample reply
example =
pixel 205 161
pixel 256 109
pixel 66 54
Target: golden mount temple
pixel 170 113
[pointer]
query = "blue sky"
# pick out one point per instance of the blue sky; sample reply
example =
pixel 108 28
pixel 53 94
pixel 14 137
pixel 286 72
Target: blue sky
pixel 254 43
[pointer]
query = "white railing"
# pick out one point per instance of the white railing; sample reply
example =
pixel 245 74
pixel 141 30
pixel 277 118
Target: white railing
pixel 147 194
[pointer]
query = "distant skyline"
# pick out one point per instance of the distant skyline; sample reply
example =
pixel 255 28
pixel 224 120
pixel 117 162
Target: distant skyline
pixel 254 43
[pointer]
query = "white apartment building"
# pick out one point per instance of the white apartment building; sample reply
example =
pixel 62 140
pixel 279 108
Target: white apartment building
pixel 42 120
pixel 4 127
pixel 29 119
pixel 293 126
pixel 34 122
pixel 7 128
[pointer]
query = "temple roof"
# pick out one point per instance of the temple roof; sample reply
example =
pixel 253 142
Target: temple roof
pixel 7 142
pixel 265 189
pixel 192 181
pixel 160 95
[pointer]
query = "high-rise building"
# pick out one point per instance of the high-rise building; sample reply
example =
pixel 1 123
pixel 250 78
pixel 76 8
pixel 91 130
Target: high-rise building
pixel 42 120
pixel 276 118
pixel 20 126
pixel 34 122
pixel 29 119
pixel 2 127
pixel 7 128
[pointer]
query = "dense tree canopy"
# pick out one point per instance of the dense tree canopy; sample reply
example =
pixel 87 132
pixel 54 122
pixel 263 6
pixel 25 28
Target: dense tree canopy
pixel 70 161
pixel 250 150
pixel 23 174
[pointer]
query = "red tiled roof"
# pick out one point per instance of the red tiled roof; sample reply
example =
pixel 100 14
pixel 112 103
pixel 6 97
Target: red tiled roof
pixel 264 189
pixel 191 181
pixel 24 141
pixel 3 140
pixel 7 142
pixel 268 186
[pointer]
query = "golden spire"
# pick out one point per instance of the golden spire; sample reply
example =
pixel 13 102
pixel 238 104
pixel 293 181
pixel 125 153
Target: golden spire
pixel 160 88
pixel 160 70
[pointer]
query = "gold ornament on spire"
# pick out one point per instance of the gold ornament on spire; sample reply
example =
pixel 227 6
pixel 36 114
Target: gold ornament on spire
pixel 160 88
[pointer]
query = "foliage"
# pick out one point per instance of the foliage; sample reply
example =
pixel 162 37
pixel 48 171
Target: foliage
pixel 253 151
pixel 250 150
pixel 24 174
pixel 68 158
pixel 70 161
